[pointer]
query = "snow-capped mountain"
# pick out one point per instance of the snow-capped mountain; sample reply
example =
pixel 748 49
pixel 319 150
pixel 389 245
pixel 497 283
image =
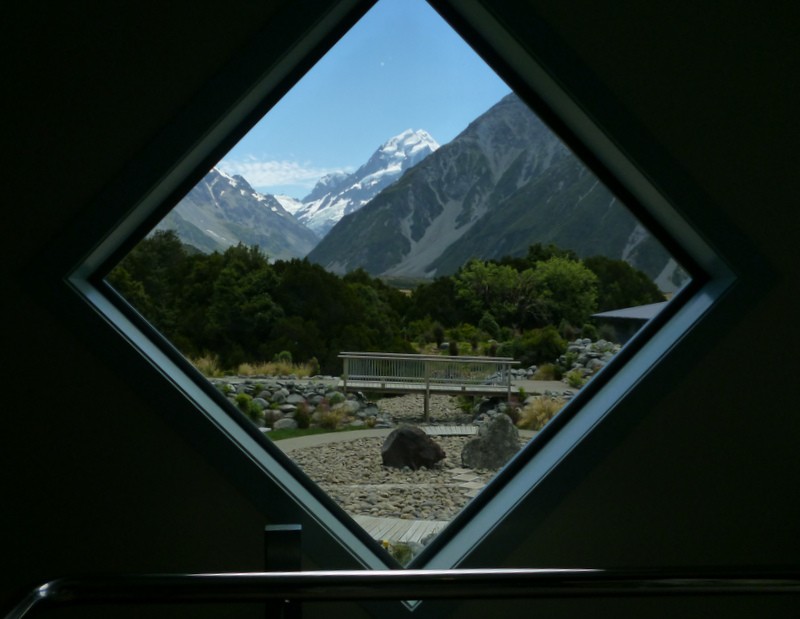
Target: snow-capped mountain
pixel 337 195
pixel 292 205
pixel 506 182
pixel 222 210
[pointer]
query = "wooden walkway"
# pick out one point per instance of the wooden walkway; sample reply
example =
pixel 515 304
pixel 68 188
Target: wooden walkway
pixel 399 530
pixel 449 430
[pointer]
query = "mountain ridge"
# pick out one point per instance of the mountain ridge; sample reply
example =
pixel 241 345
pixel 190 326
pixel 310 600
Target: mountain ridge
pixel 223 210
pixel 504 183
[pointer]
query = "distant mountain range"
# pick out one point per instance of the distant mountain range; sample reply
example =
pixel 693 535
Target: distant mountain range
pixel 418 210
pixel 337 195
pixel 504 183
pixel 221 211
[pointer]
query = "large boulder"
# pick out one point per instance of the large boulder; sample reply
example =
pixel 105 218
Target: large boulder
pixel 287 423
pixel 497 442
pixel 409 446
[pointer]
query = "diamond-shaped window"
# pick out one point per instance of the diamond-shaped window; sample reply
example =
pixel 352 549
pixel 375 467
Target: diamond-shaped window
pixel 500 188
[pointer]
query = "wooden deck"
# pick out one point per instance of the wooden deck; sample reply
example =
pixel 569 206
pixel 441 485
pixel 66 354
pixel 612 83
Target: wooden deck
pixel 449 430
pixel 399 530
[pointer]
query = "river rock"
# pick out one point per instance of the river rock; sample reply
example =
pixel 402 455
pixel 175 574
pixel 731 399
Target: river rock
pixel 409 446
pixel 497 442
pixel 285 423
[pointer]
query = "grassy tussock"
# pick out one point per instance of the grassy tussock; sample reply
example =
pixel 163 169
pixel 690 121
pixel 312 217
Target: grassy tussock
pixel 209 366
pixel 536 415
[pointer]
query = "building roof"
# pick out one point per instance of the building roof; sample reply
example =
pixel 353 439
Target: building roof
pixel 640 312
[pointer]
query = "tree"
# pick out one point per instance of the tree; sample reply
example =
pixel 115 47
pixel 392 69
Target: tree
pixel 567 290
pixel 620 285
pixel 150 278
pixel 510 296
pixel 437 301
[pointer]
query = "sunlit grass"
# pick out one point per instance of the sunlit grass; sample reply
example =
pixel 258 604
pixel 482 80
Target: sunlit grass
pixel 208 365
pixel 540 411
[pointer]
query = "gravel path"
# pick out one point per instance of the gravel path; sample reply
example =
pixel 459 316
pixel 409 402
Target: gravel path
pixel 352 473
pixel 410 408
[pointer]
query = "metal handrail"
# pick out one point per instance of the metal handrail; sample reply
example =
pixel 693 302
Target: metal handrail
pixel 402 585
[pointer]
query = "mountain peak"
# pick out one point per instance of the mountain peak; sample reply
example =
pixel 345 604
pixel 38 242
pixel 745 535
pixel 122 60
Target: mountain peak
pixel 337 195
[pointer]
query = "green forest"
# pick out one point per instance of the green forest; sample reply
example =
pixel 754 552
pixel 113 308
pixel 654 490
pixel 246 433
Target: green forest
pixel 241 308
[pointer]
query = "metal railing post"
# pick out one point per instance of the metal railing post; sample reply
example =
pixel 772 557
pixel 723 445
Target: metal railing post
pixel 426 406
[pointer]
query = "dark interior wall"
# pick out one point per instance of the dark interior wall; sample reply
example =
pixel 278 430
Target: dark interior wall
pixel 93 479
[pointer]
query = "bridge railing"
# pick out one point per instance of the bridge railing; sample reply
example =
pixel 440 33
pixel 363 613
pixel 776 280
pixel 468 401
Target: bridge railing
pixel 408 372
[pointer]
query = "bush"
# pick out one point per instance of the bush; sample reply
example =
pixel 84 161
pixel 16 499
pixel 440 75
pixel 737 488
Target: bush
pixel 208 366
pixel 245 404
pixel 590 331
pixel 400 551
pixel 489 325
pixel 283 356
pixel 302 416
pixel 575 379
pixel 535 347
pixel 278 368
pixel 539 412
pixel 548 371
pixel 331 418
pixel 336 398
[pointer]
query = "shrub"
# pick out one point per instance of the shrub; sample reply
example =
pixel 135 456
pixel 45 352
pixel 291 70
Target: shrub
pixel 569 359
pixel 242 401
pixel 575 379
pixel 302 415
pixel 590 331
pixel 277 368
pixel 283 356
pixel 400 551
pixel 548 371
pixel 536 415
pixel 535 346
pixel 331 418
pixel 245 403
pixel 207 365
pixel 336 398
pixel 438 334
pixel 489 325
pixel 567 331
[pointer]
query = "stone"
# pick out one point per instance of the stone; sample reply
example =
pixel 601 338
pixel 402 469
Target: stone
pixel 349 407
pixel 496 444
pixel 271 415
pixel 261 403
pixel 287 423
pixel 408 446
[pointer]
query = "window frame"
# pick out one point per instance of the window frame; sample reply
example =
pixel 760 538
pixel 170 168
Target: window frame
pixel 176 161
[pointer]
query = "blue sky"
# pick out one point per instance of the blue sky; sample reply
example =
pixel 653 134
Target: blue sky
pixel 400 67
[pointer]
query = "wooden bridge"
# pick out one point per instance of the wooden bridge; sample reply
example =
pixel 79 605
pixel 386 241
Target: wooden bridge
pixel 426 374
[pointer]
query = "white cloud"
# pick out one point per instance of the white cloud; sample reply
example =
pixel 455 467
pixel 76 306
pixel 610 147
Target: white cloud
pixel 275 173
